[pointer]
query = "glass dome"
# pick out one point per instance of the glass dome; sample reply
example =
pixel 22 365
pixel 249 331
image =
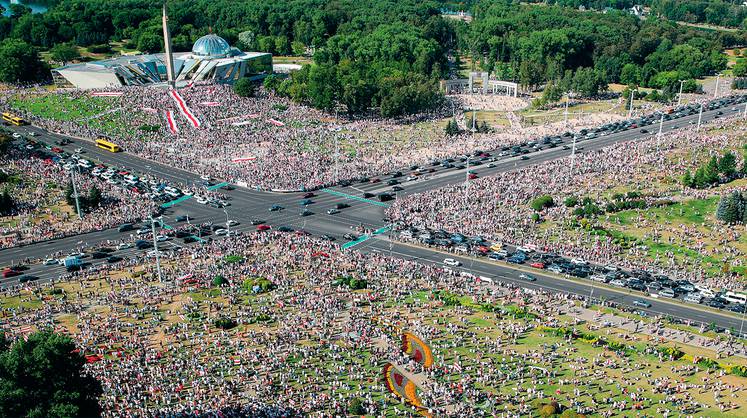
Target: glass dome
pixel 211 45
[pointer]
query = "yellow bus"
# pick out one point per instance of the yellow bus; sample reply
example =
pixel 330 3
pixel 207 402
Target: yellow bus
pixel 15 120
pixel 104 143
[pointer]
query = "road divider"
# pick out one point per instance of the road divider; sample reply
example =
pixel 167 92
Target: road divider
pixel 350 196
pixel 364 237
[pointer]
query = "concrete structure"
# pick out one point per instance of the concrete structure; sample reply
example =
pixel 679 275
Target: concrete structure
pixel 486 85
pixel 212 58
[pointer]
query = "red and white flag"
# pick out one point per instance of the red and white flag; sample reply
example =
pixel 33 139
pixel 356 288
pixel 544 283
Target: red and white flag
pixel 107 93
pixel 275 122
pixel 184 109
pixel 171 122
pixel 210 104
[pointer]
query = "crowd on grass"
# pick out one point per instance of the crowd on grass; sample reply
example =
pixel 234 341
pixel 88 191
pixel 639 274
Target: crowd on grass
pixel 279 145
pixel 304 346
pixel 498 207
pixel 40 211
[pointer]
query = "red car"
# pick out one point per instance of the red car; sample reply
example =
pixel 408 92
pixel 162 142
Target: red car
pixel 11 273
pixel 308 195
pixel 301 232
pixel 537 265
pixel 472 176
pixel 375 180
pixel 57 149
pixel 263 227
pixel 483 249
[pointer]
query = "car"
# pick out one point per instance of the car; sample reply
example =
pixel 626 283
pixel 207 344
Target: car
pixel 306 212
pixel 693 298
pixel 527 277
pixel 189 239
pixel 113 259
pixel 524 157
pixel 142 244
pixel 667 293
pixel 79 150
pixel 50 262
pixel 350 236
pixel 368 195
pixel 306 202
pixel 126 227
pixel 161 238
pixel 154 253
pixel 452 262
pixel 341 206
pixel 537 265
pixel 392 182
pixel 275 208
pixel 183 218
pixel 332 211
pixel 27 278
pixel 285 229
pixel 641 303
pixel 16 135
pixel 302 233
pixel 384 197
pixel 308 195
pixel 579 261
pixel 123 246
pixel 599 278
pixel 327 237
pixel 221 231
pixel 231 222
pixel 106 250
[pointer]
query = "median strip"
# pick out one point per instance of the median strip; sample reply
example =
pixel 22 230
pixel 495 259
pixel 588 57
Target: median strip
pixel 217 186
pixel 176 201
pixel 350 196
pixel 364 237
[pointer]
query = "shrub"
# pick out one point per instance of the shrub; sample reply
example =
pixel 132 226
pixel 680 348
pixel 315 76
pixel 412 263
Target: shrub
pixel 219 281
pixel 570 201
pixel 149 128
pixel 351 282
pixel 100 49
pixel 707 363
pixel 258 285
pixel 224 323
pixel 739 371
pixel 356 407
pixel 244 88
pixel 535 217
pixel 671 352
pixel 544 201
pixel 233 259
pixel 56 291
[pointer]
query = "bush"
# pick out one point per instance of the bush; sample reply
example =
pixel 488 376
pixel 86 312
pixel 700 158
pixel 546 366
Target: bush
pixel 707 363
pixel 100 49
pixel 224 323
pixel 570 201
pixel 233 259
pixel 258 285
pixel 542 202
pixel 356 407
pixel 149 128
pixel 739 371
pixel 535 217
pixel 219 281
pixel 56 291
pixel 244 88
pixel 351 282
pixel 671 352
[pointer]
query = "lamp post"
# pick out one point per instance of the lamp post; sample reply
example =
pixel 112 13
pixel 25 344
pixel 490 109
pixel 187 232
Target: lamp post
pixel 632 96
pixel 679 95
pixel 75 192
pixel 700 116
pixel 567 99
pixel 155 244
pixel 228 224
pixel 715 91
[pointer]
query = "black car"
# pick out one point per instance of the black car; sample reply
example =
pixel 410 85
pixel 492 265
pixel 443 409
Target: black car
pixel 126 227
pixel 327 237
pixel 106 250
pixel 189 239
pixel 342 206
pixel 524 157
pixel 392 182
pixel 113 259
pixel 397 174
pixel 227 187
pixel 142 244
pixel 257 222
pixel 368 195
pixel 397 188
pixel 182 234
pixel 183 218
pixel 98 255
pixel 349 236
pixel 27 278
pixel 384 197
pixel 285 229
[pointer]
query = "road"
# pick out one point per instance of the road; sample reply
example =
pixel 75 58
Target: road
pixel 248 204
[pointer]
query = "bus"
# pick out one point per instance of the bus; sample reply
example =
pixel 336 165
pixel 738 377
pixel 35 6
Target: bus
pixel 104 143
pixel 11 118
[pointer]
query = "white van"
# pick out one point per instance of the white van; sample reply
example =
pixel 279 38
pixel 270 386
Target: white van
pixel 734 297
pixel 486 279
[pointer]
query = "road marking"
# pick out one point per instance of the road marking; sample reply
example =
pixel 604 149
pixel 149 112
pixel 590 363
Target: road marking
pixel 350 196
pixel 176 201
pixel 217 186
pixel 365 237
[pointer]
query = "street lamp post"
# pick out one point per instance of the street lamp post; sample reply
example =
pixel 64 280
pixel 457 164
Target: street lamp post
pixel 567 99
pixel 75 193
pixel 228 224
pixel 658 136
pixel 155 245
pixel 632 96
pixel 573 158
pixel 715 92
pixel 700 116
pixel 679 96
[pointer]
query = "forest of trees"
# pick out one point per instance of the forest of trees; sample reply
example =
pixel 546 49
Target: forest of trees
pixel 538 45
pixel 385 54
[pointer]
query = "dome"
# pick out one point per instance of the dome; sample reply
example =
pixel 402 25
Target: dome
pixel 211 45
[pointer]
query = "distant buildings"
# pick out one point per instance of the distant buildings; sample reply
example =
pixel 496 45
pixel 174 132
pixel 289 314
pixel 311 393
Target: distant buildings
pixel 212 58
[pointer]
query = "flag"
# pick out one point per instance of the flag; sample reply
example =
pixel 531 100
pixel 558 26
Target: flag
pixel 184 109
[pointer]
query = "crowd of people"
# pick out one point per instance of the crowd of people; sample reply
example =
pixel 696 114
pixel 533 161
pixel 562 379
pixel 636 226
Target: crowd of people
pixel 498 207
pixel 307 347
pixel 40 211
pixel 267 141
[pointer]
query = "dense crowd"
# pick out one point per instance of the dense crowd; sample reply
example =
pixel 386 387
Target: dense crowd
pixel 289 146
pixel 40 211
pixel 308 347
pixel 498 207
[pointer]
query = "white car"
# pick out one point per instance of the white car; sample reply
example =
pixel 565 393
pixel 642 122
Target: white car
pixel 162 238
pixel 206 178
pixel 610 267
pixel 221 232
pixel 525 250
pixel 231 222
pixel 579 261
pixel 143 231
pixel 50 262
pixel 79 150
pixel 451 262
pixel 16 135
pixel 411 178
pixel 123 246
pixel 152 253
pixel 201 200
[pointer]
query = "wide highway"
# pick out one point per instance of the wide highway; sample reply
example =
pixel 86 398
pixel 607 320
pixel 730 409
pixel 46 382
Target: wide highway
pixel 248 204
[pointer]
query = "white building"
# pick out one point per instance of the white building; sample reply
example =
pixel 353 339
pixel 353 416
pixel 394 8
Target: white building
pixel 212 58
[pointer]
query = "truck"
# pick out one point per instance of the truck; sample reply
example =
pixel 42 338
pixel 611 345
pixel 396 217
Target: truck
pixel 71 263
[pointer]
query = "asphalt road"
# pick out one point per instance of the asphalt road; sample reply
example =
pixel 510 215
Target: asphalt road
pixel 248 204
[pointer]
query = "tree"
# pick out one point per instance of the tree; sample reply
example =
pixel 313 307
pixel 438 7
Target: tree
pixel 42 377
pixel 149 42
pixel 244 87
pixel 687 179
pixel 6 203
pixel 19 62
pixel 64 53
pixel 731 208
pixel 544 201
pixel 94 197
pixel 356 407
pixel 247 40
pixel 452 128
pixel 712 171
pixel 727 165
pixel 631 75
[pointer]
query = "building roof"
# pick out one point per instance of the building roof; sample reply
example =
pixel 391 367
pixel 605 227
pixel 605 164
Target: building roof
pixel 211 45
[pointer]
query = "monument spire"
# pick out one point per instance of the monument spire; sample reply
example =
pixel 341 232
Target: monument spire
pixel 167 48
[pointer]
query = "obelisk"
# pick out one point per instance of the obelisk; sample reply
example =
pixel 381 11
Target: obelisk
pixel 167 48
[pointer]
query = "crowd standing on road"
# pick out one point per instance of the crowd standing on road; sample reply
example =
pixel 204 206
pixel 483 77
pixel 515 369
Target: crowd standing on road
pixel 308 347
pixel 498 207
pixel 40 210
pixel 270 143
